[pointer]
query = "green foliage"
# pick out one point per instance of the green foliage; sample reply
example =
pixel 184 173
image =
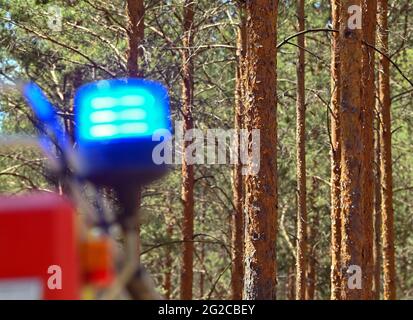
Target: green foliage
pixel 92 45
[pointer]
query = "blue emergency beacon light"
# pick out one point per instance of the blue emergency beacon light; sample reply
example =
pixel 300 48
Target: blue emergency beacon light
pixel 115 121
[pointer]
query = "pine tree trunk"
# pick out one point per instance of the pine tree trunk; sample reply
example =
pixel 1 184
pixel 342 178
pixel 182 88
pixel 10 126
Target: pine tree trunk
pixel 389 272
pixel 187 170
pixel 369 97
pixel 352 224
pixel 301 263
pixel 261 189
pixel 335 156
pixel 377 220
pixel 135 11
pixel 237 218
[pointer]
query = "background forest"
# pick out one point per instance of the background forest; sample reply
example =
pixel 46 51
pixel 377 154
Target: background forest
pixel 93 40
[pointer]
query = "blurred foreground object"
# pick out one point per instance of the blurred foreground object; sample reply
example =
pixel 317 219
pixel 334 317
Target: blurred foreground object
pixel 97 261
pixel 116 122
pixel 38 248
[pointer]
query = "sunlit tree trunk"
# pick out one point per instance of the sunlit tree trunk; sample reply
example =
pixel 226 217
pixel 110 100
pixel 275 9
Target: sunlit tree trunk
pixel 369 97
pixel 335 156
pixel 389 272
pixel 135 12
pixel 187 169
pixel 237 218
pixel 261 113
pixel 352 224
pixel 377 219
pixel 301 263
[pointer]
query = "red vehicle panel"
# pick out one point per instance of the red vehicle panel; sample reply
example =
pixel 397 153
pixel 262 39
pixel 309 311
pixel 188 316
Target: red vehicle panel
pixel 38 248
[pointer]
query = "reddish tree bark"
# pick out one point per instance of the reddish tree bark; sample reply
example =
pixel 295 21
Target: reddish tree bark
pixel 301 263
pixel 135 11
pixel 386 170
pixel 335 156
pixel 369 97
pixel 237 218
pixel 377 220
pixel 261 113
pixel 352 220
pixel 187 274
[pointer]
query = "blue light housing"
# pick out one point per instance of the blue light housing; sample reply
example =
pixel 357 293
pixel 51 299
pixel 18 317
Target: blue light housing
pixel 121 109
pixel 115 121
